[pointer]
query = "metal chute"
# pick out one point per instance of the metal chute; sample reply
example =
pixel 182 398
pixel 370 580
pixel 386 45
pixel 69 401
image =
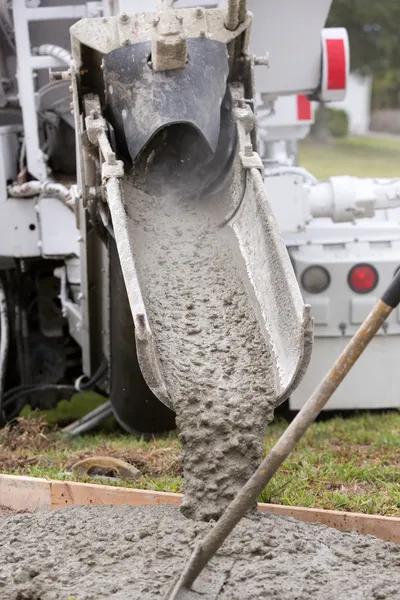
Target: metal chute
pixel 142 101
pixel 199 248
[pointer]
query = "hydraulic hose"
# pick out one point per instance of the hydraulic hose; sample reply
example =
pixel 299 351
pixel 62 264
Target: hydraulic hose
pixel 14 395
pixel 56 51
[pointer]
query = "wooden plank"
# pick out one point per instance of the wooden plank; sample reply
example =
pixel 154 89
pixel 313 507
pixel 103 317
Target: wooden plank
pixel 29 493
pixel 70 493
pixel 385 528
pixel 25 493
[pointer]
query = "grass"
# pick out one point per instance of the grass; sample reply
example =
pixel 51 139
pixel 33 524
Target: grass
pixel 360 157
pixel 350 464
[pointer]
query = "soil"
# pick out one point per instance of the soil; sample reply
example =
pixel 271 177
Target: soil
pixel 128 553
pixel 32 442
pixel 215 362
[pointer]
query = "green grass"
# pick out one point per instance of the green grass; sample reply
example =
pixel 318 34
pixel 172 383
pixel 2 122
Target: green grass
pixel 350 464
pixel 360 157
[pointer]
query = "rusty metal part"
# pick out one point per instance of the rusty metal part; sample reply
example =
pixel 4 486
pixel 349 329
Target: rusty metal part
pixel 106 464
pixel 286 443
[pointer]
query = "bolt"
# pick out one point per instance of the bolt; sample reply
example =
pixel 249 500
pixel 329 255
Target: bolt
pixel 79 238
pixel 156 21
pixel 199 12
pixel 124 18
pixel 262 61
pixel 126 42
pixel 248 150
pixel 70 89
pixel 102 65
pixel 203 34
pixel 111 159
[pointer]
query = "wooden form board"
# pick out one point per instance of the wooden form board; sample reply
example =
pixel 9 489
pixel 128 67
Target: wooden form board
pixel 32 494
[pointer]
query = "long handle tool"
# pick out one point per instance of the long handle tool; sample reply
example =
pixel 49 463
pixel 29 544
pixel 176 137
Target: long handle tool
pixel 246 498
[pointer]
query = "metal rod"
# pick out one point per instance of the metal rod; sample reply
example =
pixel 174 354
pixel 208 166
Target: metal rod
pixel 103 408
pixel 232 15
pixel 91 420
pixel 249 493
pixel 242 12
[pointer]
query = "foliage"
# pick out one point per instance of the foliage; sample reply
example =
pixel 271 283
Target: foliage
pixel 329 122
pixel 386 89
pixel 373 32
pixel 337 122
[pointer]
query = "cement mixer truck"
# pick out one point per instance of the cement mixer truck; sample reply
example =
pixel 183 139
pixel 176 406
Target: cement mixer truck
pixel 342 234
pixel 139 249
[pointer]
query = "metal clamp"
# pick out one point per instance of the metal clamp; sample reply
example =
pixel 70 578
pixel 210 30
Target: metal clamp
pixel 251 159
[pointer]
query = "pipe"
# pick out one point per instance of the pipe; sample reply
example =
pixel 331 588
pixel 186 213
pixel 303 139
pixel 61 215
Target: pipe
pixel 56 51
pixel 4 344
pixel 248 495
pixel 34 188
pixel 276 172
pixel 91 420
pixel 347 198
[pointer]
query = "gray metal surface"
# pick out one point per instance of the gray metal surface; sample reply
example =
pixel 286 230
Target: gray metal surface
pixel 142 101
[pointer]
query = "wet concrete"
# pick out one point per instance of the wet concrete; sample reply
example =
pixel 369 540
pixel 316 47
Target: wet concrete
pixel 215 362
pixel 109 553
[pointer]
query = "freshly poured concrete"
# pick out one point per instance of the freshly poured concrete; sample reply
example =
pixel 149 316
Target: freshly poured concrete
pixel 109 553
pixel 215 362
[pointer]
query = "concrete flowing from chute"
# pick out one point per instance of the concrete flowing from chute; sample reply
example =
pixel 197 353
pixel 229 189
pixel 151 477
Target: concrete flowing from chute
pixel 214 359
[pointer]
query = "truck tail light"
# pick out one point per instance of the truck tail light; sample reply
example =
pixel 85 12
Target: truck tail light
pixel 363 278
pixel 315 279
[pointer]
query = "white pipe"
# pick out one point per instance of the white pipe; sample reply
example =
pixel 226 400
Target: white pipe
pixel 4 343
pixel 34 188
pixel 348 198
pixel 278 171
pixel 56 51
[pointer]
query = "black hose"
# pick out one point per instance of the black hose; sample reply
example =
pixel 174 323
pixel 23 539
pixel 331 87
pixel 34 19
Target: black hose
pixel 31 389
pixel 84 387
pixel 21 391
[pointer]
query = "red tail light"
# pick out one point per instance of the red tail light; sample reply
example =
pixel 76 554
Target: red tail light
pixel 363 278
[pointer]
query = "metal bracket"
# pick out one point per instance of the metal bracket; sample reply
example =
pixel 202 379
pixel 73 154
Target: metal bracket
pixel 251 159
pixel 96 128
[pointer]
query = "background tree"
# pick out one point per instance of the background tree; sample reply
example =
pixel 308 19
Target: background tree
pixel 373 28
